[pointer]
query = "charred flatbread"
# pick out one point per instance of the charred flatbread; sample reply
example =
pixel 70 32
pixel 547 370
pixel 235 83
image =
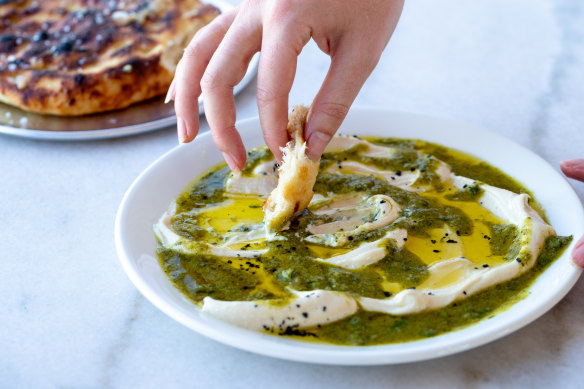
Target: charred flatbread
pixel 76 57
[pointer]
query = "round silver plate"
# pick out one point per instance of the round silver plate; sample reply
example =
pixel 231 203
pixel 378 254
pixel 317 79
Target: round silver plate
pixel 142 117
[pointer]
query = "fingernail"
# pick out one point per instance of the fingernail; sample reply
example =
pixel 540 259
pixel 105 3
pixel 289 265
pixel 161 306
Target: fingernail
pixel 573 168
pixel 170 93
pixel 231 162
pixel 578 255
pixel 580 243
pixel 181 129
pixel 572 163
pixel 168 97
pixel 317 142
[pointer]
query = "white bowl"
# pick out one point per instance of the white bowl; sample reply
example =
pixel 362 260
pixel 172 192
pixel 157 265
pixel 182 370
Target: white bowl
pixel 152 192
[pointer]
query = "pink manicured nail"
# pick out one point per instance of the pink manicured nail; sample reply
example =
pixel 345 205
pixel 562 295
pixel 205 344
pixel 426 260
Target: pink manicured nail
pixel 317 142
pixel 231 162
pixel 573 168
pixel 170 93
pixel 181 128
pixel 578 255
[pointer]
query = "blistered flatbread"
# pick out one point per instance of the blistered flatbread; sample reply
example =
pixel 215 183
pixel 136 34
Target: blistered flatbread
pixel 297 176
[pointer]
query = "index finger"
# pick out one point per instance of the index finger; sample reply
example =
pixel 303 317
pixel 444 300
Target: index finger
pixel 186 84
pixel 225 70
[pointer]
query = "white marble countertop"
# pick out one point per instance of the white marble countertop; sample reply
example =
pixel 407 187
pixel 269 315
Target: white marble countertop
pixel 70 317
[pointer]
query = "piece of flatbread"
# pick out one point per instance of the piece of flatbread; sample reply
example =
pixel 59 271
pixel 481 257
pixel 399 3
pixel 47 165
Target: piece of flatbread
pixel 76 57
pixel 297 176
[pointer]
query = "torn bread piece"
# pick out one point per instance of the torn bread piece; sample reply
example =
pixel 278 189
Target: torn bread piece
pixel 297 176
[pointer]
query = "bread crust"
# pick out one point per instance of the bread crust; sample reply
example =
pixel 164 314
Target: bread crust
pixel 76 57
pixel 297 176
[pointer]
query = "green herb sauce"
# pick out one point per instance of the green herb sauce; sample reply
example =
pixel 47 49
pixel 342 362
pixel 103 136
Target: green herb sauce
pixel 289 262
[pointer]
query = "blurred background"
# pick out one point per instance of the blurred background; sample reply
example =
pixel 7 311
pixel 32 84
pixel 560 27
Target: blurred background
pixel 70 317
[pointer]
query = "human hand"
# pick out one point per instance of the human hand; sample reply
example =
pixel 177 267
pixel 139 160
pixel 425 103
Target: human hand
pixel 574 168
pixel 352 33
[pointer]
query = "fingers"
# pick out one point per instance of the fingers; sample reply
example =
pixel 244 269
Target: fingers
pixel 282 42
pixel 224 71
pixel 578 253
pixel 573 168
pixel 346 76
pixel 185 88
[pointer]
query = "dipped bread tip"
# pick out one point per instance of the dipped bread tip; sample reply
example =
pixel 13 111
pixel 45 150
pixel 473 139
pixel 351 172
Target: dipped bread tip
pixel 297 176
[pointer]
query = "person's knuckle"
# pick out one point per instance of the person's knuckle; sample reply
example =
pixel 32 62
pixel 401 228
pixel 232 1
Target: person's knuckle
pixel 334 110
pixel 210 81
pixel 223 137
pixel 282 11
pixel 266 96
pixel 195 46
pixel 249 6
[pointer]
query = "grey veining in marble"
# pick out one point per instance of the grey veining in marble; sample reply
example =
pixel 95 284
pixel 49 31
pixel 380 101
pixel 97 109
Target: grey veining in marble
pixel 70 318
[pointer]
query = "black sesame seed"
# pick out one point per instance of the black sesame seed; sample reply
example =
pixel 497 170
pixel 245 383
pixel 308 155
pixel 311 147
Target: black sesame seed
pixel 518 260
pixel 40 36
pixel 7 38
pixel 64 47
pixel 387 294
pixel 485 265
pixel 305 314
pixel 436 251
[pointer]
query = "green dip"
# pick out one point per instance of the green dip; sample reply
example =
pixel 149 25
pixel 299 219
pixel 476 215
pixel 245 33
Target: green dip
pixel 289 264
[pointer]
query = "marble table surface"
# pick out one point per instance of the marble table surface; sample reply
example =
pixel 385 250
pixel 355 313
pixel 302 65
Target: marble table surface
pixel 70 317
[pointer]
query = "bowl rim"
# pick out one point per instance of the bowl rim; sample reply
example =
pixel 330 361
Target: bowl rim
pixel 297 350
